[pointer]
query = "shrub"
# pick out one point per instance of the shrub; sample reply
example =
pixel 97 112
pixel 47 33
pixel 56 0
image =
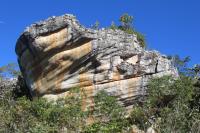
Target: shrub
pixel 127 26
pixel 63 115
pixel 108 114
pixel 10 69
pixel 141 39
pixel 40 115
pixel 96 25
pixel 168 106
pixel 172 105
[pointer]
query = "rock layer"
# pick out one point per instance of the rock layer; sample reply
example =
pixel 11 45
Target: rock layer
pixel 58 54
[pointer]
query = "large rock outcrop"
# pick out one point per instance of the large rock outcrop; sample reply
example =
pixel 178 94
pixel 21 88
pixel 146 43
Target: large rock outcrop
pixel 58 54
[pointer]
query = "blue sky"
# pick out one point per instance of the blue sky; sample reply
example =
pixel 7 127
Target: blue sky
pixel 170 26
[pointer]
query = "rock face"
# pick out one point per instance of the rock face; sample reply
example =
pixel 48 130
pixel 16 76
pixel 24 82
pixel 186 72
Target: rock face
pixel 58 54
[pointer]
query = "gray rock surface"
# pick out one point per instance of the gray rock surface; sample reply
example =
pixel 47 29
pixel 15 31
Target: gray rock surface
pixel 58 54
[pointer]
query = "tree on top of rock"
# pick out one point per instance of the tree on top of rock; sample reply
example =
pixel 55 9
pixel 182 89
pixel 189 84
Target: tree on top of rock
pixel 127 26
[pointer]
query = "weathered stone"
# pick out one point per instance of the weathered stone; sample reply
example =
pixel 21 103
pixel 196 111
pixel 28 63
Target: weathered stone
pixel 58 54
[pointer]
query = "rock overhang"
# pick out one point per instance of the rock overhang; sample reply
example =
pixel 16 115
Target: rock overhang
pixel 58 54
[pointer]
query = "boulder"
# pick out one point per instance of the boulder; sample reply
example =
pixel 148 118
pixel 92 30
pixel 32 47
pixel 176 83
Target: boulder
pixel 58 54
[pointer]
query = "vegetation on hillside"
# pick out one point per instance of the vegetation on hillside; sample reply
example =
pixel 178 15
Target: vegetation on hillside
pixel 64 115
pixel 9 70
pixel 172 105
pixel 20 114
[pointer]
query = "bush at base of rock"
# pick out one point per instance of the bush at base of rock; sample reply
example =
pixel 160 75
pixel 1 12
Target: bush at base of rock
pixel 172 105
pixel 64 115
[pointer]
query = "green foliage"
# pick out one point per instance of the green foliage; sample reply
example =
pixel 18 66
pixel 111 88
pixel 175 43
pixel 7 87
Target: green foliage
pixel 96 25
pixel 180 64
pixel 172 105
pixel 113 26
pixel 107 107
pixel 139 117
pixel 141 39
pixel 195 71
pixel 126 19
pixel 9 70
pixel 127 26
pixel 40 115
pixel 110 127
pixel 126 22
pixel 109 115
pixel 63 115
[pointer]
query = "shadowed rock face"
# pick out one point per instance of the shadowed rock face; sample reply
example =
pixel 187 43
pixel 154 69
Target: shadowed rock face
pixel 58 54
